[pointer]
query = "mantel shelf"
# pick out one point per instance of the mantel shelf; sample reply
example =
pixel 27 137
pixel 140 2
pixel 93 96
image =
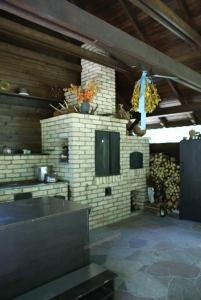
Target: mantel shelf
pixel 26 100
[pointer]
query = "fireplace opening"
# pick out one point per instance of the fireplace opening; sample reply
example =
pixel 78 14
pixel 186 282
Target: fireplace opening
pixel 136 201
pixel 136 160
pixel 108 191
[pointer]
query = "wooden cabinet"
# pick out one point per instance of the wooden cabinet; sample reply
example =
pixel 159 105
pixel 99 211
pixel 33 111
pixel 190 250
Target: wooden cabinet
pixel 107 153
pixel 190 160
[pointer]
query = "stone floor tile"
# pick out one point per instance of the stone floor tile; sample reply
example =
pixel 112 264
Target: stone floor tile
pixel 198 285
pixel 154 258
pixel 137 243
pixel 169 268
pixel 121 295
pixel 145 285
pixel 182 289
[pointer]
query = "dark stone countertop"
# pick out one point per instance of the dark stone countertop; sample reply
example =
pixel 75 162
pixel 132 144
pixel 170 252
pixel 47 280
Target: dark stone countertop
pixel 26 183
pixel 36 208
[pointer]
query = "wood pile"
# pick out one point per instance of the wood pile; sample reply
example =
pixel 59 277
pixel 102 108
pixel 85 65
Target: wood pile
pixel 165 176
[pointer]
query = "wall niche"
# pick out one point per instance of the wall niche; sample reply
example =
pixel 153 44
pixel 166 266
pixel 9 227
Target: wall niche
pixel 136 160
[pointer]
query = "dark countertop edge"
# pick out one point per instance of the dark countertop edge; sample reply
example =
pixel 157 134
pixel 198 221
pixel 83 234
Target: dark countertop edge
pixel 40 219
pixel 31 185
pixel 68 282
pixel 24 155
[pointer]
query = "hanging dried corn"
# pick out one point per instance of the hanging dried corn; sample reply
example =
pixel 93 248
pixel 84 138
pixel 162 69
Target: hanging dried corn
pixel 145 97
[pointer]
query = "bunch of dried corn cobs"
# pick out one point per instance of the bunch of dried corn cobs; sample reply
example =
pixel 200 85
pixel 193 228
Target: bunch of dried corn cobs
pixel 165 172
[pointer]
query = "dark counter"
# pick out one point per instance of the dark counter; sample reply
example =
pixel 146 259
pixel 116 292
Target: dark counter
pixel 35 208
pixel 25 183
pixel 41 239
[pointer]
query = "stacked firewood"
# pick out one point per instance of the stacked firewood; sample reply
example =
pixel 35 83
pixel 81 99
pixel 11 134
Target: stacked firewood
pixel 165 175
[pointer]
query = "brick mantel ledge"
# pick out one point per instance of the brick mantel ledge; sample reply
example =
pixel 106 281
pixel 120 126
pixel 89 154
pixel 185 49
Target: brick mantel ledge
pixel 77 116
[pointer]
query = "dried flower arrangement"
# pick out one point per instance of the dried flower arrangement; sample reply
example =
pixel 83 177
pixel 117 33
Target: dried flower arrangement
pixel 83 94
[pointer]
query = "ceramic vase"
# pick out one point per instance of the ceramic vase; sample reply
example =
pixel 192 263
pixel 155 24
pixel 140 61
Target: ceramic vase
pixel 84 107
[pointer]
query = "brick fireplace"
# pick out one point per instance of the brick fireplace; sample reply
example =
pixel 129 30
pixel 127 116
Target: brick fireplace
pixel 108 196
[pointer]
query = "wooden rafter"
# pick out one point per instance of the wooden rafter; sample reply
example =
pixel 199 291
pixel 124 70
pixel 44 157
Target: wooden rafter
pixel 188 18
pixel 163 121
pixel 176 110
pixel 179 96
pixel 69 20
pixel 176 92
pixel 186 13
pixel 197 116
pixel 165 16
pixel 28 54
pixel 178 123
pixel 30 35
pixel 134 22
pixel 141 36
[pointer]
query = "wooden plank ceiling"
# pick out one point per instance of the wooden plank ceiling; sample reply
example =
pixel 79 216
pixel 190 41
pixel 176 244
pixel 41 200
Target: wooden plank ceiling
pixel 174 28
pixel 170 26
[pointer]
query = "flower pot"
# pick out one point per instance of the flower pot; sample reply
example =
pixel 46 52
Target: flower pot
pixel 84 108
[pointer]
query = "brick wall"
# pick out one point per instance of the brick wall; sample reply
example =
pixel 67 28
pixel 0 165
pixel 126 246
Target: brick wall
pixel 105 78
pixel 40 190
pixel 79 131
pixel 19 167
pixel 85 187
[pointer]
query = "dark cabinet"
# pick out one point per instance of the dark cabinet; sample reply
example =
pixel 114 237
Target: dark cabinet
pixel 190 160
pixel 102 157
pixel 42 239
pixel 114 153
pixel 107 153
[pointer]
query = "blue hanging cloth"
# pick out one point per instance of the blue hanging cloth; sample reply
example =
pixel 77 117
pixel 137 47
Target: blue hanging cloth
pixel 141 107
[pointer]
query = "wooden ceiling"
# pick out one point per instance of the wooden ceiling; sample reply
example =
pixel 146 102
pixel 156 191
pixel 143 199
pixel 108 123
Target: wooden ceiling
pixel 170 26
pixel 130 17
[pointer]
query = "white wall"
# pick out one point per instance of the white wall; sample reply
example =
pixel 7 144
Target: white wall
pixel 170 135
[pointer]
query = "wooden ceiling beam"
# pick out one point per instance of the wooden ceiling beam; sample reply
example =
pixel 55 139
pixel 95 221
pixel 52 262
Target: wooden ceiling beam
pixel 176 110
pixel 179 123
pixel 141 35
pixel 30 35
pixel 163 122
pixel 29 54
pixel 154 126
pixel 197 116
pixel 69 20
pixel 165 16
pixel 192 118
pixel 129 75
pixel 135 25
pixel 176 92
pixel 186 13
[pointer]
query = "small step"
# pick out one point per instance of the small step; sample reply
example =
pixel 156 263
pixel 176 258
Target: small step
pixel 81 284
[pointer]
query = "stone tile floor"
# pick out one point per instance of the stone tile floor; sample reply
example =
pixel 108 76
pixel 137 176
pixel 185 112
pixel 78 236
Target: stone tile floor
pixel 154 258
